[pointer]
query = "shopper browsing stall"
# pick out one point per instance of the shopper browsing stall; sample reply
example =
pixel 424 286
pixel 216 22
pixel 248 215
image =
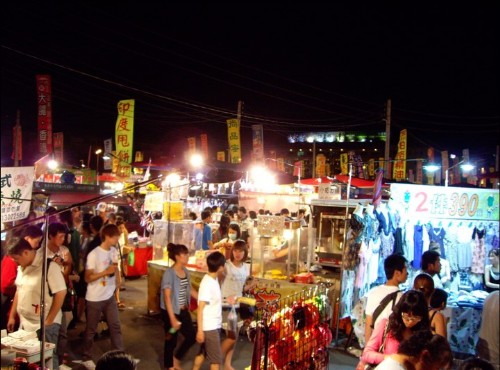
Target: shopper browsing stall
pixel 408 316
pixel 236 272
pixel 492 272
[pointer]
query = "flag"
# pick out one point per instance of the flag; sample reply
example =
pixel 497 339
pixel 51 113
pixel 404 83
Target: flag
pixel 258 142
pixel 204 145
pixel 377 187
pixel 399 170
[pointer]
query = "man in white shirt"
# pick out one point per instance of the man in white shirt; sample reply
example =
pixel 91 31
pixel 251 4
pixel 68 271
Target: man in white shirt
pixel 27 301
pixel 100 270
pixel 396 273
pixel 431 265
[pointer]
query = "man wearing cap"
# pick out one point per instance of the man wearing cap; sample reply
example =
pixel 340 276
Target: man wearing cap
pixel 101 211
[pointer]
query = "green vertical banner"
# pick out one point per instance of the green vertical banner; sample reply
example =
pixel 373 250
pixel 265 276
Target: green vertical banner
pixel 233 136
pixel 124 136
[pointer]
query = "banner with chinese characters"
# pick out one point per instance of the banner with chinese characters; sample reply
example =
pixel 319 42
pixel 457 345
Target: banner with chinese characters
pixel 320 165
pixel 424 202
pixel 17 186
pixel 221 156
pixel 124 136
pixel 191 144
pixel 233 135
pixel 44 100
pixel 258 142
pixel 204 145
pixel 108 148
pixel 344 160
pixel 399 169
pixel 371 167
pixel 58 141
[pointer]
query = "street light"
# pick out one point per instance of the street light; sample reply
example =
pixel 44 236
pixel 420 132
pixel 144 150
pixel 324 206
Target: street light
pixel 97 152
pixel 464 166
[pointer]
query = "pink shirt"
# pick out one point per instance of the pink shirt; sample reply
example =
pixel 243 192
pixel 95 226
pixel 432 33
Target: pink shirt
pixel 371 355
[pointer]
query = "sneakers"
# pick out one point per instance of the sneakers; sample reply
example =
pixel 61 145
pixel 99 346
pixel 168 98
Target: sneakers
pixel 64 367
pixel 89 364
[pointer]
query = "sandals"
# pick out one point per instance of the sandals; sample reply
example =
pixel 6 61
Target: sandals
pixel 121 306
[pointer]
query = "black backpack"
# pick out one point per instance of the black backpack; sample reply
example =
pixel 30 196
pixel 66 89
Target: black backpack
pixel 383 304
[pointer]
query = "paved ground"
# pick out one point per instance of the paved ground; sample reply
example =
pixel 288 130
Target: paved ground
pixel 143 337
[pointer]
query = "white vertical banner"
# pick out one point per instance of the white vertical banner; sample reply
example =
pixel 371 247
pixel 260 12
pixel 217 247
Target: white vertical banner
pixel 108 149
pixel 17 186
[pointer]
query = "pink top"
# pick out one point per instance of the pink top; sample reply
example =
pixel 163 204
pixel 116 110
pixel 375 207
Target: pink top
pixel 371 354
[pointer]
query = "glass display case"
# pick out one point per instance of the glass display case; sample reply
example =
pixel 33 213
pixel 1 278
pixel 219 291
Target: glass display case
pixel 278 248
pixel 178 232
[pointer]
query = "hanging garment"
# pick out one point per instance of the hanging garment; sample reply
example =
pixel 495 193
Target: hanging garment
pixel 437 234
pixel 479 251
pixel 387 245
pixel 398 242
pixel 408 245
pixel 464 247
pixel 353 244
pixel 372 270
pixel 418 243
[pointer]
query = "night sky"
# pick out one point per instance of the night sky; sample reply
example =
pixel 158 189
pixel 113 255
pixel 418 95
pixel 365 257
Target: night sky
pixel 297 68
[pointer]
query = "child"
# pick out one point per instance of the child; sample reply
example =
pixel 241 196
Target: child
pixel 209 314
pixel 438 303
pixel 236 273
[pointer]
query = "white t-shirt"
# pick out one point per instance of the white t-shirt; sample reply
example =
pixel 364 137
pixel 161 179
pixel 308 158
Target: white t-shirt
pixel 103 288
pixel 63 252
pixel 375 296
pixel 233 283
pixel 28 283
pixel 390 364
pixel 210 293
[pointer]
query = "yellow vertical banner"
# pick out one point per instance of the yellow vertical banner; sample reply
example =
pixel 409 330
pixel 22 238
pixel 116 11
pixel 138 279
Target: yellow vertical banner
pixel 233 135
pixel 344 159
pixel 399 169
pixel 124 136
pixel 320 165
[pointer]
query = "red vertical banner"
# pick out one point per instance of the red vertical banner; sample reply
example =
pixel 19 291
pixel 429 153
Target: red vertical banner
pixel 58 141
pixel 44 101
pixel 204 145
pixel 191 144
pixel 297 168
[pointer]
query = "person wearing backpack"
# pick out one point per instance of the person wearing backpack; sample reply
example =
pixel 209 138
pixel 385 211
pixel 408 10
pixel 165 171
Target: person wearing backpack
pixel 381 299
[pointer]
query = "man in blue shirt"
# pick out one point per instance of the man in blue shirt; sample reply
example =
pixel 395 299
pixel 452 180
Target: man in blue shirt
pixel 206 217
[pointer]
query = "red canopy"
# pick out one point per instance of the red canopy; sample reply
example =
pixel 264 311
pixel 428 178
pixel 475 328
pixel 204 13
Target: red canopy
pixel 359 183
pixel 315 181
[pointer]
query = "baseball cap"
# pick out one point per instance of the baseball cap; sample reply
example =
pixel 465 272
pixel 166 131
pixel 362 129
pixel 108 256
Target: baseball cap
pixel 101 207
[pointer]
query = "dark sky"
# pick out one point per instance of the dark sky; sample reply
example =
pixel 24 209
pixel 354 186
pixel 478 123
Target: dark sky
pixel 297 68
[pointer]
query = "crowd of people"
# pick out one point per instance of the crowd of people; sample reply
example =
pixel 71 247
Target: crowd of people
pixel 404 330
pixel 402 326
pixel 83 255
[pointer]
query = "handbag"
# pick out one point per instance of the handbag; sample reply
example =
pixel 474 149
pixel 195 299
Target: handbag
pixel 363 365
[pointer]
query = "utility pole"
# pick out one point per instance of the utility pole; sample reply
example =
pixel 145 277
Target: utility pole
pixel 240 109
pixel 17 138
pixel 387 139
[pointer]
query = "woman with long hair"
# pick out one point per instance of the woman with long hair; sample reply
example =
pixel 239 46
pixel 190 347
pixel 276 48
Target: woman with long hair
pixel 409 315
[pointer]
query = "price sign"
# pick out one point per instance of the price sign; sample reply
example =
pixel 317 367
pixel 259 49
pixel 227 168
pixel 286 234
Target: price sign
pixel 425 201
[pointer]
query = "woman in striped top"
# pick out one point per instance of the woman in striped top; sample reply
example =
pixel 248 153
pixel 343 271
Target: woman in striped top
pixel 175 295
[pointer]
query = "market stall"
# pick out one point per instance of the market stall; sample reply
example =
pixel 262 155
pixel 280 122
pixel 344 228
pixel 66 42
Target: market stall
pixel 463 222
